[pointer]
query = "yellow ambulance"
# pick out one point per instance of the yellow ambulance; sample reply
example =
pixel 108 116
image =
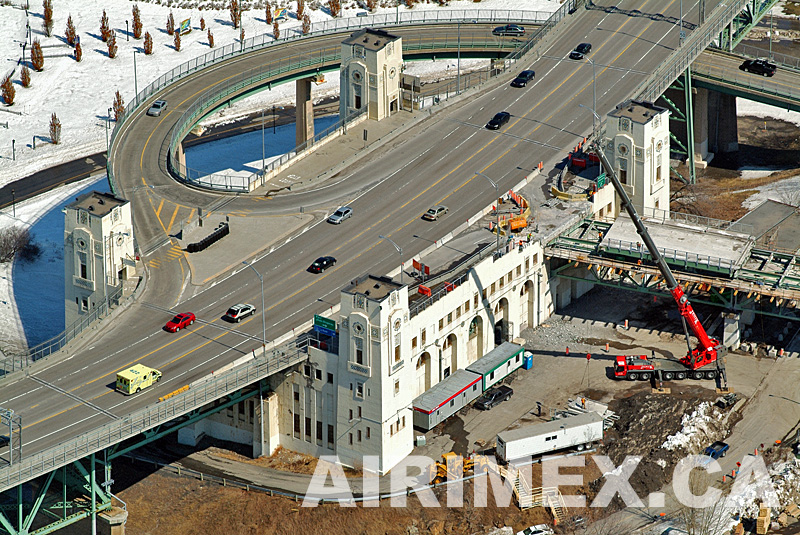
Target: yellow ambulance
pixel 136 378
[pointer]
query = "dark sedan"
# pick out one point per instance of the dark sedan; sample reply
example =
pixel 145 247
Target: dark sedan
pixel 509 29
pixel 321 264
pixel 523 78
pixel 580 51
pixel 493 397
pixel 498 120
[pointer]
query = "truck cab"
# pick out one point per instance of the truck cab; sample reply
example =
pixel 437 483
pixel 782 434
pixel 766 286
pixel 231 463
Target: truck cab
pixel 633 367
pixel 716 450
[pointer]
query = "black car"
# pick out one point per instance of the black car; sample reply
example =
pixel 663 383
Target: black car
pixel 509 29
pixel 759 66
pixel 494 396
pixel 498 120
pixel 321 264
pixel 580 51
pixel 523 78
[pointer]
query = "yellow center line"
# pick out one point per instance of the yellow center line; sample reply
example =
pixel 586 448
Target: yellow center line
pixel 172 220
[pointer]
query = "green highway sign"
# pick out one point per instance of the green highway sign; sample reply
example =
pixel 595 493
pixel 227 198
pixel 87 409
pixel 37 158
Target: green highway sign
pixel 323 322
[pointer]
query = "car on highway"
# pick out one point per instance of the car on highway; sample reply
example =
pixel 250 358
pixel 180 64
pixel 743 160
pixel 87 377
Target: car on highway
pixel 498 120
pixel 509 29
pixel 240 311
pixel 494 396
pixel 340 215
pixel 157 107
pixel 759 66
pixel 523 78
pixel 580 51
pixel 435 213
pixel 321 264
pixel 180 321
pixel 538 529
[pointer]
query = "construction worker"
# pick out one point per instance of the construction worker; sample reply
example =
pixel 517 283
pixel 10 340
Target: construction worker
pixel 583 403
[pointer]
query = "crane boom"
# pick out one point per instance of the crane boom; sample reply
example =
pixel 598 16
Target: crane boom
pixel 708 349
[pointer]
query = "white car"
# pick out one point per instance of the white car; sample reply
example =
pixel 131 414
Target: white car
pixel 538 529
pixel 340 215
pixel 157 107
pixel 238 312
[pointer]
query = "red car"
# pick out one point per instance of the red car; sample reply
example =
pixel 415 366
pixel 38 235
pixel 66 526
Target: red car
pixel 179 322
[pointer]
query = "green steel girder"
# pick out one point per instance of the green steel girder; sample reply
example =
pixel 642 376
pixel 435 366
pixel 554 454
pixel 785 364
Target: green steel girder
pixel 158 432
pixel 741 25
pixel 76 484
pixel 727 299
pixel 676 115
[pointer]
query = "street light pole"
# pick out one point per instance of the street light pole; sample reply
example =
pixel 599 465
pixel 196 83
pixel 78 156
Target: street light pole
pixel 263 311
pixel 458 67
pixel 399 250
pixel 13 203
pixel 496 208
pixel 263 150
pixel 682 34
pixel 770 34
pixel 135 79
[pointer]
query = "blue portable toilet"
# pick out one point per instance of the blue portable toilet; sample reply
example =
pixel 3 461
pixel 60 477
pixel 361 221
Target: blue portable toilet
pixel 527 361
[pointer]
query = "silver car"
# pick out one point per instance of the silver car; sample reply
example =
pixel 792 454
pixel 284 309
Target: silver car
pixel 157 107
pixel 340 215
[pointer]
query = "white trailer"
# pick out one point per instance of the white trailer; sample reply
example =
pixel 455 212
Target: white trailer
pixel 575 431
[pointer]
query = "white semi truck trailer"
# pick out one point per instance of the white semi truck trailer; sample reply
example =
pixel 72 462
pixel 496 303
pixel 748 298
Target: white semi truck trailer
pixel 577 432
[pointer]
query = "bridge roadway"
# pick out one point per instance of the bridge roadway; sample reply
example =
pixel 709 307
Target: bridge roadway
pixel 436 164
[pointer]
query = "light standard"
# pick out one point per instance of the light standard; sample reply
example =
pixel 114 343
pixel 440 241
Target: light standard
pixel 13 203
pixel 770 34
pixel 399 250
pixel 595 118
pixel 594 94
pixel 682 34
pixel 263 311
pixel 263 154
pixel 135 80
pixel 108 120
pixel 458 63
pixel 496 210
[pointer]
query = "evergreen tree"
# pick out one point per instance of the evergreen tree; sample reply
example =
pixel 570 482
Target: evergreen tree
pixel 148 43
pixel 112 45
pixel 137 22
pixel 37 56
pixel 55 130
pixel 105 30
pixel 69 33
pixel 47 17
pixel 8 91
pixel 25 76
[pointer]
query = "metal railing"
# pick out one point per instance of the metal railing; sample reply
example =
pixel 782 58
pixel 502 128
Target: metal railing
pixel 697 41
pixel 266 40
pixel 783 60
pixel 746 81
pixel 567 8
pixel 673 256
pixel 697 220
pixel 12 363
pixel 107 435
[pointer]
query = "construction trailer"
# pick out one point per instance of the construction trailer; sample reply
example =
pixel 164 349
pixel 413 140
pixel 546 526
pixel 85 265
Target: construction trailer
pixel 577 432
pixel 497 364
pixel 446 398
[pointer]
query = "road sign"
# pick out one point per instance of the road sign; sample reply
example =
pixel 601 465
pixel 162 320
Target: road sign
pixel 325 323
pixel 323 330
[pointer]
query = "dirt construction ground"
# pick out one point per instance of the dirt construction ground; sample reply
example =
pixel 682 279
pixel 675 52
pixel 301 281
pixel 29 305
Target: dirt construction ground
pixel 161 503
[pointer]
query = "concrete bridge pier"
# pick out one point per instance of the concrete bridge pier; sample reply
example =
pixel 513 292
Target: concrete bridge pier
pixel 304 112
pixel 723 128
pixel 731 329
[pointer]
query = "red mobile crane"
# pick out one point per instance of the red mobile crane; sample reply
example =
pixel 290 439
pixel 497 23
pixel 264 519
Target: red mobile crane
pixel 705 361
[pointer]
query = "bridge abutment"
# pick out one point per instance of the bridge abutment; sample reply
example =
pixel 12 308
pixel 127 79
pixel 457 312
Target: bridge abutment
pixel 112 522
pixel 304 112
pixel 731 337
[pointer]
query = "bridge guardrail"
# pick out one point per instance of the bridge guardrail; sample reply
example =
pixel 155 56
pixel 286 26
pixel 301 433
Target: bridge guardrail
pixel 266 40
pixel 737 78
pixel 697 41
pixel 148 417
pixel 775 57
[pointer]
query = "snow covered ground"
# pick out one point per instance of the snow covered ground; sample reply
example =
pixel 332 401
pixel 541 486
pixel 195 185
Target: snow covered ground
pixel 80 94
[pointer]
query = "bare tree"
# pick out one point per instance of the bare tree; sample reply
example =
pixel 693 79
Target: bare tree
pixel 8 91
pixel 69 33
pixel 236 12
pixel 210 38
pixel 148 43
pixel 37 56
pixel 301 7
pixel 47 17
pixel 269 13
pixel 55 129
pixel 137 22
pixel 105 30
pixel 335 7
pixel 112 45
pixel 202 23
pixel 177 41
pixel 78 52
pixel 306 24
pixel 119 106
pixel 276 31
pixel 12 241
pixel 710 520
pixel 170 24
pixel 25 76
